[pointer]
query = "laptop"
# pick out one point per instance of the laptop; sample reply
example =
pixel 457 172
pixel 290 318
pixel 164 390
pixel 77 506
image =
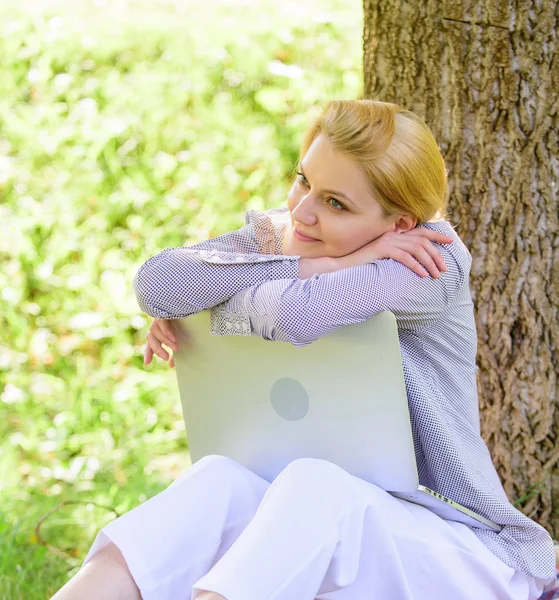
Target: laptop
pixel 341 398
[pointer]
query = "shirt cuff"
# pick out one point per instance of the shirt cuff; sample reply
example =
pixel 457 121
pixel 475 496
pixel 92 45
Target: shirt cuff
pixel 235 258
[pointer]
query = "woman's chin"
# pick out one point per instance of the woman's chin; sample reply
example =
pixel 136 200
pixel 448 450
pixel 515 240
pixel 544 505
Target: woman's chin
pixel 295 247
pixel 304 252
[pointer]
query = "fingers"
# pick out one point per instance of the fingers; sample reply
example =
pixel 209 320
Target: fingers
pixel 156 346
pixel 422 257
pixel 431 259
pixel 429 265
pixel 431 234
pixel 421 247
pixel 163 331
pixel 409 261
pixel 148 355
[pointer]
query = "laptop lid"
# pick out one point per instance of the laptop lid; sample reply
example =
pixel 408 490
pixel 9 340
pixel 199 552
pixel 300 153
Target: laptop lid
pixel 264 404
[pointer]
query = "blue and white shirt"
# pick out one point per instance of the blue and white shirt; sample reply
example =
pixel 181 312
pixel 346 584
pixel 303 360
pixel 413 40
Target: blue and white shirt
pixel 252 288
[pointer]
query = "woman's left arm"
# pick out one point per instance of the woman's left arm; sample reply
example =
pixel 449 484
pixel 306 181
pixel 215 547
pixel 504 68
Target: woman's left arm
pixel 179 282
pixel 300 311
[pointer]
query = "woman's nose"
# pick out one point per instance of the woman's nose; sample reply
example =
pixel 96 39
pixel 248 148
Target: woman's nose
pixel 304 212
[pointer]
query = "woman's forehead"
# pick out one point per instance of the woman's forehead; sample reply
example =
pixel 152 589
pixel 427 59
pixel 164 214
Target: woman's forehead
pixel 330 170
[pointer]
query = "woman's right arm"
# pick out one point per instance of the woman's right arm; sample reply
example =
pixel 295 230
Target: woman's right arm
pixel 179 282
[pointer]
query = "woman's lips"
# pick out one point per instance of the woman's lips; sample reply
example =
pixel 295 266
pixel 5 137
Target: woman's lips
pixel 304 238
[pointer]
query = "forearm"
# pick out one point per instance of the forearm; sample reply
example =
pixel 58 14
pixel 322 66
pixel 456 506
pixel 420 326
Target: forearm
pixel 328 294
pixel 179 282
pixel 318 266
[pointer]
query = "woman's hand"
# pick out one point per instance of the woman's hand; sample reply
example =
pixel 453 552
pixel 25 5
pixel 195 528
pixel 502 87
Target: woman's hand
pixel 408 248
pixel 160 332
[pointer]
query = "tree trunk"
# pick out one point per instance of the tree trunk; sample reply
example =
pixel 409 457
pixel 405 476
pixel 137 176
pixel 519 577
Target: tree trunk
pixel 485 76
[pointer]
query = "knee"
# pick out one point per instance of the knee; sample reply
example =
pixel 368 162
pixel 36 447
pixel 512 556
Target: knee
pixel 111 554
pixel 308 465
pixel 215 464
pixel 106 574
pixel 319 476
pixel 316 473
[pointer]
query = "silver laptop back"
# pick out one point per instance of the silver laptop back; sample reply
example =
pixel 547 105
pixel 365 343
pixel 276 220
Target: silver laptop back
pixel 341 398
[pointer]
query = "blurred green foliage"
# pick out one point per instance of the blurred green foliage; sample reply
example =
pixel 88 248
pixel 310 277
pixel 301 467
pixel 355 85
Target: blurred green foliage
pixel 125 128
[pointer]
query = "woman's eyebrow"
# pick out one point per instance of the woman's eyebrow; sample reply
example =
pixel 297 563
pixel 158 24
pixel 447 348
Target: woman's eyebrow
pixel 329 191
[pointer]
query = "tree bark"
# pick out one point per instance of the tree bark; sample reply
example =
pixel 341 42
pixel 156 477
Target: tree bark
pixel 485 76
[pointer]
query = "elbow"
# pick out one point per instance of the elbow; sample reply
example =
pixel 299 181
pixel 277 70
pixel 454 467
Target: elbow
pixel 144 294
pixel 293 326
pixel 159 292
pixel 294 315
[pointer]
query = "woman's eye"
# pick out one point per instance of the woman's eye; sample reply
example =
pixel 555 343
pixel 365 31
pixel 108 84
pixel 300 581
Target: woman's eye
pixel 302 179
pixel 336 204
pixel 333 202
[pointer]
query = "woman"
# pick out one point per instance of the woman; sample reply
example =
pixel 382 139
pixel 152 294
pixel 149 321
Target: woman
pixel 362 232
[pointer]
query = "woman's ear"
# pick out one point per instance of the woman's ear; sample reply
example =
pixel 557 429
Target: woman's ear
pixel 404 223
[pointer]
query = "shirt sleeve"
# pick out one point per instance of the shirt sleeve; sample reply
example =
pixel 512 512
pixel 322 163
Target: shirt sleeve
pixel 179 282
pixel 300 311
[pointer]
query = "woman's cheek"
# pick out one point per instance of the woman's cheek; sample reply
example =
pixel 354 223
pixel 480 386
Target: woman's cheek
pixel 346 245
pixel 339 245
pixel 292 198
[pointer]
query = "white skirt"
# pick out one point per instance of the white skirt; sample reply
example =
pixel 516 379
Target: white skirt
pixel 315 532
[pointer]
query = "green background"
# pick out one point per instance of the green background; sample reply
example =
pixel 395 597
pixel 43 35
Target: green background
pixel 126 128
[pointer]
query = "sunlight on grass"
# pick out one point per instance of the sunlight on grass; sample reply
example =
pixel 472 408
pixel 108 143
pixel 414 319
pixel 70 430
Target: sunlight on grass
pixel 127 127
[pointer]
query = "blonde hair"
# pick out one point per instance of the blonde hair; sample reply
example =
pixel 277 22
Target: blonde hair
pixel 395 148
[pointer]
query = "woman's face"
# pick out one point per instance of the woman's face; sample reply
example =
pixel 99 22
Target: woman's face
pixel 331 202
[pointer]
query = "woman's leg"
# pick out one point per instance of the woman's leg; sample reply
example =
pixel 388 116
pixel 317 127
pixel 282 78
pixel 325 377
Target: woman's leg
pixel 171 540
pixel 105 576
pixel 320 532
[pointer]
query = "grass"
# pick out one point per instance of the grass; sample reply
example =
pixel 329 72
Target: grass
pixel 125 128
